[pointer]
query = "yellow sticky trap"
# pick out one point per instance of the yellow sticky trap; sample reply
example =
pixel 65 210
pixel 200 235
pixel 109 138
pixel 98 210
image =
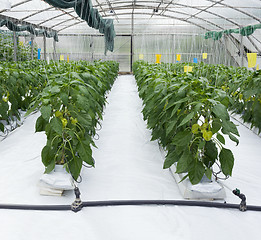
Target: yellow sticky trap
pixel 204 55
pixel 178 56
pixel 257 67
pixel 141 56
pixel 188 69
pixel 251 57
pixel 68 58
pixel 21 43
pixel 158 57
pixel 61 57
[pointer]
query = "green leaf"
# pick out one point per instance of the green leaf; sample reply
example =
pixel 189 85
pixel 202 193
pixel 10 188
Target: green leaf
pixel 56 125
pixel 55 89
pixel 171 158
pixel 75 167
pixel 184 162
pixel 197 106
pixel 85 153
pixel 46 112
pixel 221 138
pixel 221 111
pixel 216 125
pixel 201 145
pixel 233 138
pixel 210 153
pixel 187 119
pixel 2 127
pixel 64 97
pixel 171 126
pixel 182 138
pixel 50 167
pixel 208 173
pixel 175 110
pixel 82 102
pixel 225 101
pixel 47 155
pixel 226 159
pixel 196 172
pixel 40 124
pixel 230 127
pixel 32 107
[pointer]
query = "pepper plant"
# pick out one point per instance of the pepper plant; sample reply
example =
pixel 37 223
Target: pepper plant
pixel 71 105
pixel 189 118
pixel 242 85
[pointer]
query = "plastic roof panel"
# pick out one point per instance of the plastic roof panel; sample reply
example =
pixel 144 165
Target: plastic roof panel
pixel 149 14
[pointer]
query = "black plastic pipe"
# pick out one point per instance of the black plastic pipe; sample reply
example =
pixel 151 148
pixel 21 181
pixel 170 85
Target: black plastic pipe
pixel 129 203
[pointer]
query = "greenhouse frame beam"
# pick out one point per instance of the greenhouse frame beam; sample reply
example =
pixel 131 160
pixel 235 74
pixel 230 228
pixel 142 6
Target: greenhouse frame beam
pixel 67 20
pixel 181 5
pixel 35 13
pixel 112 9
pixel 17 21
pixel 17 4
pixel 163 15
pixel 169 16
pixel 166 7
pixel 101 7
pixel 239 10
pixel 156 9
pixel 204 10
pixel 255 46
pixel 59 15
pixel 71 26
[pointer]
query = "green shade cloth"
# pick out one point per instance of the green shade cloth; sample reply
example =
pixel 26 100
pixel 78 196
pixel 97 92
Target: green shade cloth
pixel 85 11
pixel 18 28
pixel 244 31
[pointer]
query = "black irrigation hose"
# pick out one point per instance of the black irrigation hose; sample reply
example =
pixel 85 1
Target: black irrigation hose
pixel 129 203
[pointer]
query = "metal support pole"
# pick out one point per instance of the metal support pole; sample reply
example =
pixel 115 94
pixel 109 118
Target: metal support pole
pixel 172 49
pixel 44 42
pixel 54 50
pixel 131 53
pixel 92 48
pixel 241 51
pixel 32 47
pixel 213 53
pixel 15 46
pixel 132 37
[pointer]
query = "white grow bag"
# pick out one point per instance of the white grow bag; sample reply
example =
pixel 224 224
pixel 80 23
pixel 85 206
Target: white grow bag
pixel 55 182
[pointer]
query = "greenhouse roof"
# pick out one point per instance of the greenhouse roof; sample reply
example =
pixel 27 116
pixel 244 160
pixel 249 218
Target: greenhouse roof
pixel 146 16
pixel 139 17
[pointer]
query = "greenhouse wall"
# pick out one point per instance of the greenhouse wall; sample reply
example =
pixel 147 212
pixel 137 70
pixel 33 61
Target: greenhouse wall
pixel 78 47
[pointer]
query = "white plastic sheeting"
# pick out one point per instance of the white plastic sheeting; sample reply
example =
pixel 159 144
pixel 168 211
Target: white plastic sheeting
pixel 128 166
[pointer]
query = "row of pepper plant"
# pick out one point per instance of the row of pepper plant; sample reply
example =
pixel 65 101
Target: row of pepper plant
pixel 23 51
pixel 71 106
pixel 189 118
pixel 241 84
pixel 19 84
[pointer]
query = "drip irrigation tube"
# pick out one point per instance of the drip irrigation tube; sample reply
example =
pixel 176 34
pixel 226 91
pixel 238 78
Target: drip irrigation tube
pixel 129 203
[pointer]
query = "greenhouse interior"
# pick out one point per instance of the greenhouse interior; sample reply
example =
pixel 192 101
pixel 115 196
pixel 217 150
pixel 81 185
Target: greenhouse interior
pixel 138 119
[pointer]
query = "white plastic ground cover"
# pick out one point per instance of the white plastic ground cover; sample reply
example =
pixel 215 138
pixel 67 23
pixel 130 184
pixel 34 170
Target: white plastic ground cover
pixel 128 166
